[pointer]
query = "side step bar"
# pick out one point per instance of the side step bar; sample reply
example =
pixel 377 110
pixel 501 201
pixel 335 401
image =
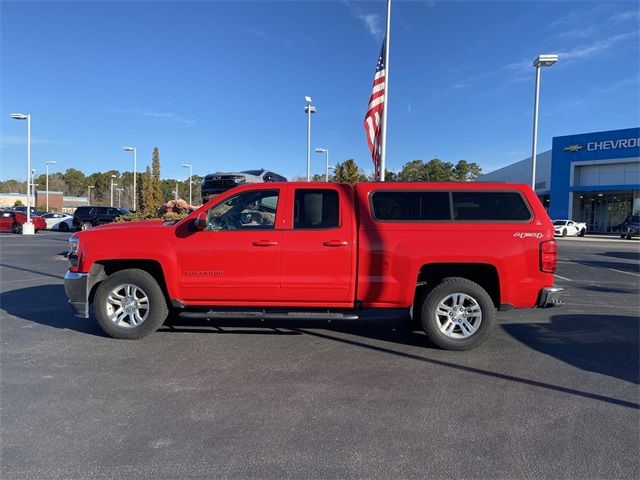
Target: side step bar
pixel 266 315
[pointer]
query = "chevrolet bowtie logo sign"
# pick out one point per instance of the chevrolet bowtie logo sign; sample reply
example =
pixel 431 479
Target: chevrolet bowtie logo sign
pixel 573 148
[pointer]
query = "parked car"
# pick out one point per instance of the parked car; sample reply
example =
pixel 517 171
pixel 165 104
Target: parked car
pixel 58 221
pixel 87 217
pixel 23 209
pixel 570 228
pixel 630 227
pixel 216 183
pixel 12 221
pixel 451 253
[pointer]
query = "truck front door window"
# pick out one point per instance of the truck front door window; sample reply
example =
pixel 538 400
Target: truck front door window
pixel 254 210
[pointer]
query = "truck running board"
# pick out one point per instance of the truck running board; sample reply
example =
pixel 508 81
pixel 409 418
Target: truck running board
pixel 266 315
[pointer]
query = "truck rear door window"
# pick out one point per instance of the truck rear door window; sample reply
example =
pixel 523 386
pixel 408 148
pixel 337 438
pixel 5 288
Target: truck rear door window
pixel 490 206
pixel 411 205
pixel 316 208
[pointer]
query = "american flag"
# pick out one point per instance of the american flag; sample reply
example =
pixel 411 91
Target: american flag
pixel 372 120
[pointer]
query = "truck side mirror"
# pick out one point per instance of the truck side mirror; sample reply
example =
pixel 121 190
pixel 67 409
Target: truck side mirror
pixel 201 221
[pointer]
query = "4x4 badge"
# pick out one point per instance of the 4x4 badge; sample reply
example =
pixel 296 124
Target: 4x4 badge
pixel 573 148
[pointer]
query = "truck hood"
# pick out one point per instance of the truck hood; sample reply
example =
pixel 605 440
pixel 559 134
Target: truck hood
pixel 130 225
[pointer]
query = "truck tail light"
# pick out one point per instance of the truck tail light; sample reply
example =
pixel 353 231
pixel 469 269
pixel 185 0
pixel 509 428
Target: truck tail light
pixel 548 256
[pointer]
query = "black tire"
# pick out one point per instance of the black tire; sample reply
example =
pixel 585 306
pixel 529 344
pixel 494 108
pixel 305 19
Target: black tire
pixel 476 299
pixel 63 227
pixel 582 233
pixel 156 312
pixel 85 225
pixel 564 232
pixel 16 228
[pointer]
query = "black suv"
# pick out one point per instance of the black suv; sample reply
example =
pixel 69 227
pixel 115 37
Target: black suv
pixel 87 217
pixel 216 183
pixel 630 227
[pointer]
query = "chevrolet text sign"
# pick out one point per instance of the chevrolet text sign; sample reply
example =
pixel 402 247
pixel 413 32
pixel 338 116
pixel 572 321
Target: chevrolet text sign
pixel 613 144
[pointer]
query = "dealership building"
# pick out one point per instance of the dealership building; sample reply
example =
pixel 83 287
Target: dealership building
pixel 587 177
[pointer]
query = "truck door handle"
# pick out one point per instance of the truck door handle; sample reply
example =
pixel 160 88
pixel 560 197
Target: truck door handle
pixel 265 243
pixel 335 243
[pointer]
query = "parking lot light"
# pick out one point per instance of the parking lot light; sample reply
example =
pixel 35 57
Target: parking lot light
pixel 112 184
pixel 119 190
pixel 540 62
pixel 326 153
pixel 188 165
pixel 133 149
pixel 89 194
pixel 309 109
pixel 27 228
pixel 50 162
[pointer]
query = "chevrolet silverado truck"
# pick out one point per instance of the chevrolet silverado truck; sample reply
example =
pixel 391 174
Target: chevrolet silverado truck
pixel 451 253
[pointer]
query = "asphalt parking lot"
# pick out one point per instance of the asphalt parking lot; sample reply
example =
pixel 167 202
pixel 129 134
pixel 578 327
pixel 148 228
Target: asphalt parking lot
pixel 553 394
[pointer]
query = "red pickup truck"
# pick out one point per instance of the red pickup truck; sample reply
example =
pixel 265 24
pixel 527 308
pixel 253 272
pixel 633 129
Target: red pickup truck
pixel 453 253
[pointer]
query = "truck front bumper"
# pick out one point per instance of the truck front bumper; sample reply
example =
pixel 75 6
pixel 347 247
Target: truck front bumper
pixel 76 288
pixel 550 297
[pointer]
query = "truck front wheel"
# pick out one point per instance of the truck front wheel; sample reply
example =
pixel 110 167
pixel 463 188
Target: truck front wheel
pixel 130 304
pixel 458 314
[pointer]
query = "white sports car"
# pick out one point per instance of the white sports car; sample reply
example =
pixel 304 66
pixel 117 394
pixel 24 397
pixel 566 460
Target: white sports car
pixel 58 221
pixel 569 227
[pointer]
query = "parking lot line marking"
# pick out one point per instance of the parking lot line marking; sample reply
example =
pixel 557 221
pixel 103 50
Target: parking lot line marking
pixel 620 271
pixel 563 278
pixel 607 268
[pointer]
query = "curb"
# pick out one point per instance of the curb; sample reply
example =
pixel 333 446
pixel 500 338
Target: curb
pixel 595 238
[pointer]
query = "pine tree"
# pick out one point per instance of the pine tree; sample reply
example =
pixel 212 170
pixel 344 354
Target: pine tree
pixel 348 172
pixel 146 206
pixel 139 192
pixel 156 184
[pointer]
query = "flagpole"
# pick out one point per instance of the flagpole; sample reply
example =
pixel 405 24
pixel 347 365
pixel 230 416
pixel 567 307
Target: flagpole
pixel 383 150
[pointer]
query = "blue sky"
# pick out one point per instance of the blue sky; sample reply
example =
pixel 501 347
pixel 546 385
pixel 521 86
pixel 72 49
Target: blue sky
pixel 221 85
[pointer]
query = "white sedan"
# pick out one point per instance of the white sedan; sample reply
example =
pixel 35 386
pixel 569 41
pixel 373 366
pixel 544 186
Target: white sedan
pixel 58 221
pixel 569 227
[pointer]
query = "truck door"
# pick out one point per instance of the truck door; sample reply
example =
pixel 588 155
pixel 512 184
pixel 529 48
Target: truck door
pixel 318 248
pixel 236 259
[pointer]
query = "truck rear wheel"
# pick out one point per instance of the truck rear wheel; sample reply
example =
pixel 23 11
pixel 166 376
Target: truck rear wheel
pixel 130 304
pixel 458 314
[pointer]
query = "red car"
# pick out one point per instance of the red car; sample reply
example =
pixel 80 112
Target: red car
pixel 12 221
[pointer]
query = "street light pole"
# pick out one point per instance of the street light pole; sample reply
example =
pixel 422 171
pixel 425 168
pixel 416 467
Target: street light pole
pixel 89 194
pixel 188 165
pixel 50 162
pixel 27 228
pixel 111 201
pixel 119 190
pixel 133 149
pixel 309 109
pixel 326 153
pixel 33 189
pixel 539 62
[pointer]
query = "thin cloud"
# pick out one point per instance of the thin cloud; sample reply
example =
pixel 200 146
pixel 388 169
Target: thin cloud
pixel 263 35
pixel 11 139
pixel 581 52
pixel 613 87
pixel 624 16
pixel 372 22
pixel 595 48
pixel 166 117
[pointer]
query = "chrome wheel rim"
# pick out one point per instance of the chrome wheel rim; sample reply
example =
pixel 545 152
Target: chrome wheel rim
pixel 458 315
pixel 127 306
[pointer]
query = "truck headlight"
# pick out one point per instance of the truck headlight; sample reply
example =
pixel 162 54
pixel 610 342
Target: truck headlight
pixel 74 245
